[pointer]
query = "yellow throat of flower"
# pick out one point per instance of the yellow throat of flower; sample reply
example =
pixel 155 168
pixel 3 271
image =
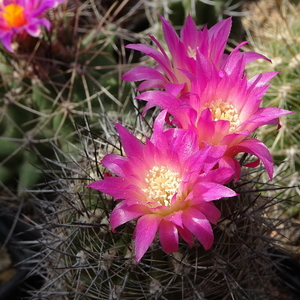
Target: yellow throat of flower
pixel 14 15
pixel 162 184
pixel 192 52
pixel 224 111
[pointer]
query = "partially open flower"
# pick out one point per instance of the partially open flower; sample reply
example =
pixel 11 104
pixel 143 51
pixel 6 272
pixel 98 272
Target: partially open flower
pixel 208 91
pixel 168 183
pixel 223 108
pixel 18 16
pixel 182 61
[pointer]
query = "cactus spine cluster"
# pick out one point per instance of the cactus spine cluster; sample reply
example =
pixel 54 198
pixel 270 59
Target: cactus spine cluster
pixel 57 114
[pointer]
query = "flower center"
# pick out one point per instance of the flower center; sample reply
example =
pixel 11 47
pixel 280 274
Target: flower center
pixel 162 184
pixel 224 111
pixel 14 15
pixel 191 52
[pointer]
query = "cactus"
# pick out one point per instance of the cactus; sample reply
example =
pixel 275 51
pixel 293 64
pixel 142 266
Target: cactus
pixel 207 12
pixel 83 259
pixel 50 84
pixel 274 33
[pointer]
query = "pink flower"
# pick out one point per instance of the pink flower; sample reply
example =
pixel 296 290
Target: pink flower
pixel 168 184
pixel 17 16
pixel 223 108
pixel 207 91
pixel 183 52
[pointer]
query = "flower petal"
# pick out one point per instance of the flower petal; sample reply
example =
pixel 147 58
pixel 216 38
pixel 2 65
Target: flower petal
pixel 143 73
pixel 171 37
pixel 199 226
pixel 151 84
pixel 160 98
pixel 123 213
pixel 117 187
pixel 186 235
pixel 144 233
pixel 131 145
pixel 165 64
pixel 6 41
pixel 210 211
pixel 222 175
pixel 168 236
pixel 257 148
pixel 208 191
pixel 115 163
pixel 175 218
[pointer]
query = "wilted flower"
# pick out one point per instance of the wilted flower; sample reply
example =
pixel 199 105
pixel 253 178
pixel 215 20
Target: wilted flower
pixel 168 184
pixel 183 54
pixel 18 16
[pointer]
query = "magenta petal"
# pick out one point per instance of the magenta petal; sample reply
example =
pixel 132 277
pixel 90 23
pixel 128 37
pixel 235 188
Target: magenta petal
pixel 214 155
pixel 37 7
pixel 222 128
pixel 205 121
pixel 151 52
pixel 123 191
pixel 170 36
pixel 45 22
pixel 189 32
pixel 186 235
pixel 158 137
pixel 160 98
pixel 261 79
pixel 253 164
pixel 151 84
pixel 204 68
pixel 108 184
pixel 115 163
pixel 186 144
pixel 143 73
pixel 210 211
pixel 223 174
pixel 175 218
pixel 174 88
pixel 144 233
pixel 199 226
pixel 194 165
pixel 34 29
pixel 131 145
pixel 257 148
pixel 6 41
pixel 168 236
pixel 263 116
pixel 220 32
pixel 123 213
pixel 251 56
pixel 233 139
pixel 229 162
pixel 208 191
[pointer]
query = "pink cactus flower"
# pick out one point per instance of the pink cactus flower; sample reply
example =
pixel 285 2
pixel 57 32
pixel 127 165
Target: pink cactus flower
pixel 209 91
pixel 183 52
pixel 223 108
pixel 168 184
pixel 18 16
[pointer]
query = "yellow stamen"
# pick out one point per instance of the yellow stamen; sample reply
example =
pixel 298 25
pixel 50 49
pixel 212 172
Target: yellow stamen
pixel 192 52
pixel 224 111
pixel 162 184
pixel 14 15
